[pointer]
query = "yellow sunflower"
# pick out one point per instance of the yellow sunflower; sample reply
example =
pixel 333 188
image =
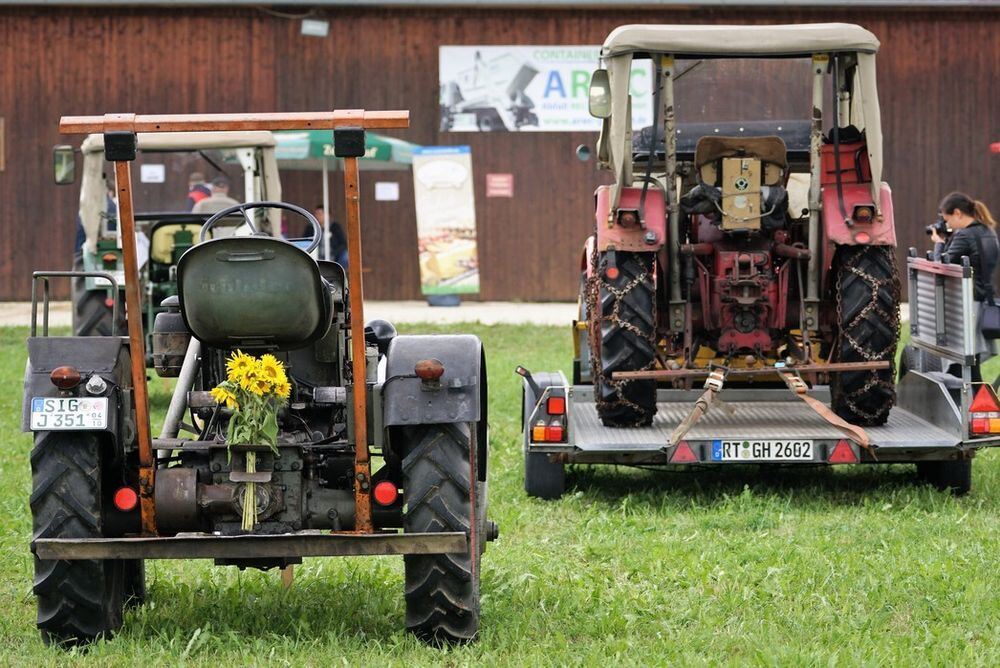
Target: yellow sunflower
pixel 238 365
pixel 271 368
pixel 224 396
pixel 260 386
pixel 283 389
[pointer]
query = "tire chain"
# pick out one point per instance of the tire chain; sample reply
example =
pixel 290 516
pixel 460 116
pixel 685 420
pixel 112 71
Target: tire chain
pixel 875 285
pixel 594 283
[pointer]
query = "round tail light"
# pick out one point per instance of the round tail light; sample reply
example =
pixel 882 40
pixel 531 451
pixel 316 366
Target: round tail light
pixel 65 377
pixel 385 493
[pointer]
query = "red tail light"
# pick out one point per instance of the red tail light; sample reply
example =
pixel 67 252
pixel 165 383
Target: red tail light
pixel 431 369
pixel 65 377
pixel 843 453
pixel 556 406
pixel 126 499
pixel 385 493
pixel 683 454
pixel 984 413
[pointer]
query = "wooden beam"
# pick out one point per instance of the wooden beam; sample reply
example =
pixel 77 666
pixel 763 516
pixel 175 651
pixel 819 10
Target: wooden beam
pixel 316 120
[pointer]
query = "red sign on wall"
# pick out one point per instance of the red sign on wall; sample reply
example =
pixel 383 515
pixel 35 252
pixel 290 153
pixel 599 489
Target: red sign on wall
pixel 499 185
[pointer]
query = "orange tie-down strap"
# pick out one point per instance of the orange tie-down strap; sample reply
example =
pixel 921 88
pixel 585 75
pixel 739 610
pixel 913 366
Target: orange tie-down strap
pixel 854 432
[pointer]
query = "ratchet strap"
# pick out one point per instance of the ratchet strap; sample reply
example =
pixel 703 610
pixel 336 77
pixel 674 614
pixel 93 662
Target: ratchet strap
pixel 713 385
pixel 854 432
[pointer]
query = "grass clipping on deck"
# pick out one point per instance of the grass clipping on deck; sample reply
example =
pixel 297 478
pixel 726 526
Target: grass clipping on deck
pixel 254 389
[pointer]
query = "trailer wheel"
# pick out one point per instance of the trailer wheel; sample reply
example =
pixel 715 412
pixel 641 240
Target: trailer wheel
pixel 626 327
pixel 80 600
pixel 91 315
pixel 953 475
pixel 543 479
pixel 439 485
pixel 867 292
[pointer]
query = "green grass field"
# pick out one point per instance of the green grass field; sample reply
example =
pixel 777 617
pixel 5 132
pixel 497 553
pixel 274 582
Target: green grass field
pixel 854 566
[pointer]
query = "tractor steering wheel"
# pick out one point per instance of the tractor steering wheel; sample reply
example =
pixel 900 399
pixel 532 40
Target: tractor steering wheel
pixel 243 208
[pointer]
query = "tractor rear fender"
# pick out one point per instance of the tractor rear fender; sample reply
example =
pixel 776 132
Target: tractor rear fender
pixel 456 397
pixel 460 395
pixel 650 235
pixel 880 232
pixel 587 253
pixel 104 356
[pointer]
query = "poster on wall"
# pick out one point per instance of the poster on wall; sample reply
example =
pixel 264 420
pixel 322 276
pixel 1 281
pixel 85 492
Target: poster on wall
pixel 528 89
pixel 446 220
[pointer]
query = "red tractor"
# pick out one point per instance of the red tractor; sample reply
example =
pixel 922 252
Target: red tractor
pixel 745 244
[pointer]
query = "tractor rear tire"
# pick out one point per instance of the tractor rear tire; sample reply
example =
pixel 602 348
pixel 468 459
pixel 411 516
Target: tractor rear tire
pixel 867 293
pixel 134 576
pixel 81 600
pixel 440 489
pixel 627 330
pixel 91 315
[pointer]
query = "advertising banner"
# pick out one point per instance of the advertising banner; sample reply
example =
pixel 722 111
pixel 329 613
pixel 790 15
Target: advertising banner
pixel 528 89
pixel 446 220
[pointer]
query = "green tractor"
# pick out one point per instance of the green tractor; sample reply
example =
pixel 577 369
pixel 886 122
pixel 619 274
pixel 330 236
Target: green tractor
pixel 167 227
pixel 379 446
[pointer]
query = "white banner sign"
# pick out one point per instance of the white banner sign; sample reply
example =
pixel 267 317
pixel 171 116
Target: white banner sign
pixel 446 220
pixel 528 88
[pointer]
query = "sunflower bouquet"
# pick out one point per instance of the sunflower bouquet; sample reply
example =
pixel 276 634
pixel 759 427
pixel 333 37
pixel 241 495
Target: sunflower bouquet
pixel 254 389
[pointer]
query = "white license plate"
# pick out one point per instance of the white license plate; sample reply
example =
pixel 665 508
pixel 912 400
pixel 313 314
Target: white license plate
pixel 762 451
pixel 65 414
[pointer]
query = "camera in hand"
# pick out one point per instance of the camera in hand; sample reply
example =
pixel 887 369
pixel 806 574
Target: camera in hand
pixel 939 226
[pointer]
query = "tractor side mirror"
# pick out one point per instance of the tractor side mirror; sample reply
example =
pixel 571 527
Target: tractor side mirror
pixel 599 96
pixel 583 153
pixel 64 164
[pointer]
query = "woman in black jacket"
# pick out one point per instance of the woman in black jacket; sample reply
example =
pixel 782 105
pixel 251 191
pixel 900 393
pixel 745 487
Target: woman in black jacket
pixel 974 236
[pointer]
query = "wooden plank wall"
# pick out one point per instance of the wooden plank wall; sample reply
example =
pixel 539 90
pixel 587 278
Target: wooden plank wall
pixel 938 79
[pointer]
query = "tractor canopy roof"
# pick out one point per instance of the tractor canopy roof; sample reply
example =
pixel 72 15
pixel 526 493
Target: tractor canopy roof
pixel 187 141
pixel 93 191
pixel 630 42
pixel 765 41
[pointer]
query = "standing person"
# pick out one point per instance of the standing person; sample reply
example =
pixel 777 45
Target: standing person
pixel 219 199
pixel 197 189
pixel 338 240
pixel 973 236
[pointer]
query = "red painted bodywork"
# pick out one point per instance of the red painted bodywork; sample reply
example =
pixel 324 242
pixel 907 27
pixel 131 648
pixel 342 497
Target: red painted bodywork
pixel 631 238
pixel 836 231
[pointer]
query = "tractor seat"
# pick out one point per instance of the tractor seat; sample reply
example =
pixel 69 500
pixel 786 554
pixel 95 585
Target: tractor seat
pixel 253 292
pixel 770 151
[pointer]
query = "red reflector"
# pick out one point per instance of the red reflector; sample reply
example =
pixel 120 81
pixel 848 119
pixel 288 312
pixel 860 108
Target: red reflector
pixel 554 433
pixel 431 369
pixel 843 454
pixel 556 405
pixel 683 454
pixel 109 258
pixel 385 493
pixel 980 426
pixel 612 273
pixel 985 401
pixel 65 377
pixel 109 302
pixel 863 237
pixel 126 499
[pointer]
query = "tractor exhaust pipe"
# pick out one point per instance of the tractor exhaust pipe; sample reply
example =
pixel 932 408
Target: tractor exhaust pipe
pixel 178 402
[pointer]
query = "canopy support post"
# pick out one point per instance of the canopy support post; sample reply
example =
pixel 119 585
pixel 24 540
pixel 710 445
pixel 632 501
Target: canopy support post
pixel 326 209
pixel 819 62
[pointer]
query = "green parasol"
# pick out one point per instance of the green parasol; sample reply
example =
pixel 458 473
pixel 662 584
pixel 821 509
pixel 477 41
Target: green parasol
pixel 309 149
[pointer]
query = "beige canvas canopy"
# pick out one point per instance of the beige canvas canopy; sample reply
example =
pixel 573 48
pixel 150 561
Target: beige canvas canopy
pixel 92 189
pixel 730 40
pixel 756 41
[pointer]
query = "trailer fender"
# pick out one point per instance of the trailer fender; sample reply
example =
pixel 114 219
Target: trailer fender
pixel 103 356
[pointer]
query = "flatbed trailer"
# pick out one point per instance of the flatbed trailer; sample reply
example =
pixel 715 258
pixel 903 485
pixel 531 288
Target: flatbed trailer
pixel 939 420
